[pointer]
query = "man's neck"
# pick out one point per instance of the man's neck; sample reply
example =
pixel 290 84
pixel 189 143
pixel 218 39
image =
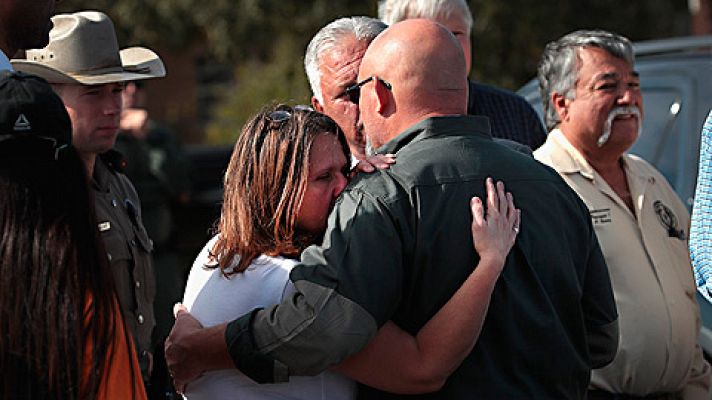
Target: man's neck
pixel 606 167
pixel 611 169
pixel 603 160
pixel 89 160
pixel 616 177
pixel 606 162
pixel 401 125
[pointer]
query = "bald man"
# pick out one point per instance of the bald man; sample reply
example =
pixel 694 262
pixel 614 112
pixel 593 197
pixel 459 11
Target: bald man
pixel 397 247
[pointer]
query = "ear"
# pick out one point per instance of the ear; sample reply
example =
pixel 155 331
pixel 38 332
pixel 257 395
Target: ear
pixel 383 96
pixel 316 105
pixel 561 105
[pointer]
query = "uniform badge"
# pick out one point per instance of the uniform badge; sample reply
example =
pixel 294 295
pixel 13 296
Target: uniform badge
pixel 104 226
pixel 669 221
pixel 601 216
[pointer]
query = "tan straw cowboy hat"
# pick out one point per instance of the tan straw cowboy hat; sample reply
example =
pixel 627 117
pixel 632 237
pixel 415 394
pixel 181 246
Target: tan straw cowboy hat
pixel 83 49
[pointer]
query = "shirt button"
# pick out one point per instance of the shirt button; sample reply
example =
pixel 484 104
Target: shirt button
pixel 114 203
pixel 133 242
pixel 140 319
pixel 108 255
pixel 138 284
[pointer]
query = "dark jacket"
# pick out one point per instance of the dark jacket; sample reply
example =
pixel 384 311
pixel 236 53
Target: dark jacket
pixel 511 117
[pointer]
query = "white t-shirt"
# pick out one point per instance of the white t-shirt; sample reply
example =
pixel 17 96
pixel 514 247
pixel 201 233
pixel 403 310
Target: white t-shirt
pixel 213 299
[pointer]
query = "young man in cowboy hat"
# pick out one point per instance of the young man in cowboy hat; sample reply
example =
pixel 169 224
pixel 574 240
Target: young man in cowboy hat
pixel 86 68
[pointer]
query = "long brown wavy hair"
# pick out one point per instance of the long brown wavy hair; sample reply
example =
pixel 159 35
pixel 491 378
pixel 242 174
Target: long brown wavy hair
pixel 56 289
pixel 264 186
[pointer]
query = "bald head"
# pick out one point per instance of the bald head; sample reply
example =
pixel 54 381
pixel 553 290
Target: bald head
pixel 421 56
pixel 425 66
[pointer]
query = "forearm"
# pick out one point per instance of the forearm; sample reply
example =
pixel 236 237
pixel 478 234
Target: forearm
pixel 212 351
pixel 398 362
pixel 191 352
pixel 459 323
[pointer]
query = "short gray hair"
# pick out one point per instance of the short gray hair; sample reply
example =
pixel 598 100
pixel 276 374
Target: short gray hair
pixel 392 11
pixel 559 66
pixel 362 28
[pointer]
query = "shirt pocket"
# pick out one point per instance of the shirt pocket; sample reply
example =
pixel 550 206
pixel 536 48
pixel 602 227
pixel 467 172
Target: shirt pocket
pixel 677 252
pixel 117 250
pixel 119 256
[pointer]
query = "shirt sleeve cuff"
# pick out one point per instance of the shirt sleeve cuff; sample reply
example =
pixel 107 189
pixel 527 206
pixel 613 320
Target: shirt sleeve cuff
pixel 246 356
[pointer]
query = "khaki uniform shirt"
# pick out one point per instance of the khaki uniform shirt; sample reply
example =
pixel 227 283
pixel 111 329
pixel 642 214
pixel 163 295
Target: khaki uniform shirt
pixel 128 249
pixel 650 271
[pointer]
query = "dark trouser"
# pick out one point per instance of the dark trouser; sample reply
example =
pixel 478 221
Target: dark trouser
pixel 603 395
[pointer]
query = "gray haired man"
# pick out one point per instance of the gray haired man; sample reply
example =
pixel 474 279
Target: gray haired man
pixel 593 105
pixel 332 61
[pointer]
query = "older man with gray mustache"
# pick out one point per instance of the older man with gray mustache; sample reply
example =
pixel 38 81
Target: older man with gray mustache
pixel 593 108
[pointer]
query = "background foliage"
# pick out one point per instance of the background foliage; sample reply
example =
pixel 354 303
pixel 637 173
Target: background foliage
pixel 261 42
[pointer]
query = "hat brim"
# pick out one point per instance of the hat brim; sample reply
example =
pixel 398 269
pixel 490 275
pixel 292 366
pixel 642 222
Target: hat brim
pixel 137 63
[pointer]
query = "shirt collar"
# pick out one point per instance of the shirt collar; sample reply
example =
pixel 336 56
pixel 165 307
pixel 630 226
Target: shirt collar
pixel 100 177
pixel 437 126
pixel 569 160
pixel 566 157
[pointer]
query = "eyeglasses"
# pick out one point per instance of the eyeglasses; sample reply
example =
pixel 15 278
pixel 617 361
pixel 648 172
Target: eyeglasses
pixel 353 92
pixel 279 116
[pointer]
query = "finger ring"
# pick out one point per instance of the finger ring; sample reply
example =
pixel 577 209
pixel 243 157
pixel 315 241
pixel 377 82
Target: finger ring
pixel 516 229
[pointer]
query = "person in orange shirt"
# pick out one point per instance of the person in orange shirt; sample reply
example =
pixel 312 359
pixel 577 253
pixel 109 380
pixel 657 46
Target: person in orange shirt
pixel 62 334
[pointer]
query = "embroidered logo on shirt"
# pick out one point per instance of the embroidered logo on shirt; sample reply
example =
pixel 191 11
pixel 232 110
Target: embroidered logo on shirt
pixel 104 226
pixel 601 216
pixel 668 219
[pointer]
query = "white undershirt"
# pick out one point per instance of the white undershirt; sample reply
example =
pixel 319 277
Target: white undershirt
pixel 213 299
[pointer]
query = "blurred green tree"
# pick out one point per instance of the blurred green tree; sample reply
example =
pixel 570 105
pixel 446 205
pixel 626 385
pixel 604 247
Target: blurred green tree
pixel 509 36
pixel 263 41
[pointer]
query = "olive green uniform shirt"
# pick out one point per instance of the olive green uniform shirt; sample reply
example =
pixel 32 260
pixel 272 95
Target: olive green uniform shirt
pixel 128 249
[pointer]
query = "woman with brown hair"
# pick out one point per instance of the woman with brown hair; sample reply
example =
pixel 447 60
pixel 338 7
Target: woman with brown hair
pixel 62 335
pixel 287 170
